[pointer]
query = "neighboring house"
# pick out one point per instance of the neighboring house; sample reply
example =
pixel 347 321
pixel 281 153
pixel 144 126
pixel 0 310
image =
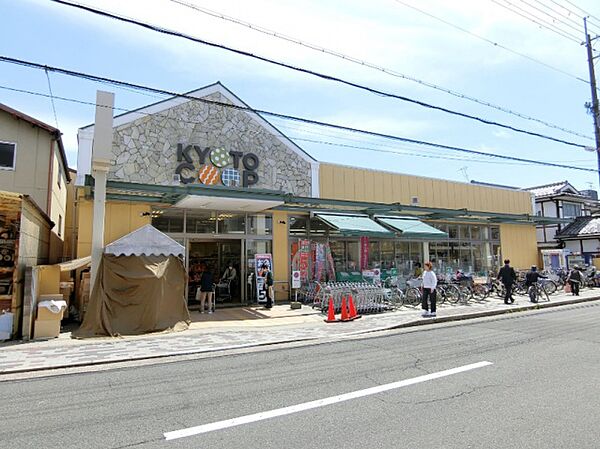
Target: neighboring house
pixel 33 163
pixel 562 200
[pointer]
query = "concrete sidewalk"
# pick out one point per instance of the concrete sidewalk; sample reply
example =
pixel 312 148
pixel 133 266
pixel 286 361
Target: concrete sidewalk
pixel 223 331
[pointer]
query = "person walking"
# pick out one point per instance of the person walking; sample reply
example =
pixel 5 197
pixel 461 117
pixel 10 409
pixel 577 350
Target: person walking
pixel 508 277
pixel 574 280
pixel 206 289
pixel 429 294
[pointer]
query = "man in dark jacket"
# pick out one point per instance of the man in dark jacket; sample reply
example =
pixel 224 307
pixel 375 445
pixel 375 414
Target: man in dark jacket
pixel 508 277
pixel 574 280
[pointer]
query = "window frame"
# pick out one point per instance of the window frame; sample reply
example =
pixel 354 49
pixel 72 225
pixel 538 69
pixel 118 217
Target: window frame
pixel 14 163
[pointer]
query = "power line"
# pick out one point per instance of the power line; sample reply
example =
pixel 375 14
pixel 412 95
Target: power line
pixel 387 71
pixel 495 44
pixel 319 75
pixel 582 10
pixel 307 130
pixel 577 27
pixel 52 99
pixel 540 22
pixel 259 112
pixel 402 152
pixel 562 14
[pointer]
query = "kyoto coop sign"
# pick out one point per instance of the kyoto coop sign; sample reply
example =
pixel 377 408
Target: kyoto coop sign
pixel 216 165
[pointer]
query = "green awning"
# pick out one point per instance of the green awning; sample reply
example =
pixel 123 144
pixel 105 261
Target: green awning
pixel 411 228
pixel 354 225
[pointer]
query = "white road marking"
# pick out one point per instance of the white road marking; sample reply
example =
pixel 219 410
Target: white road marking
pixel 190 431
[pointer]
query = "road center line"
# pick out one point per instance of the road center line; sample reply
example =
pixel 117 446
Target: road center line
pixel 190 431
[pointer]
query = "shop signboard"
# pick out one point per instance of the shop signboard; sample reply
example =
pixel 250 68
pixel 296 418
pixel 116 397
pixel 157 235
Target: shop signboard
pixel 364 253
pixel 263 263
pixel 296 283
pixel 216 166
pixel 304 258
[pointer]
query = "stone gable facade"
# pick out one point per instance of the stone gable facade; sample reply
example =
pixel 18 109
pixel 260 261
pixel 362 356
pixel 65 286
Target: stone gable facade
pixel 145 150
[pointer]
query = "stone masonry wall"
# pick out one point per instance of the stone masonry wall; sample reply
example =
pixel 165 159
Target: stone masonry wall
pixel 145 150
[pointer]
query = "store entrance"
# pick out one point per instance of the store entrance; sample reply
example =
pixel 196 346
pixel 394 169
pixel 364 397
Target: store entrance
pixel 216 256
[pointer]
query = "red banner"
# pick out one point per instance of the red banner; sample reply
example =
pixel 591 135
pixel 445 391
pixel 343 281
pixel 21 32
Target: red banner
pixel 364 253
pixel 304 251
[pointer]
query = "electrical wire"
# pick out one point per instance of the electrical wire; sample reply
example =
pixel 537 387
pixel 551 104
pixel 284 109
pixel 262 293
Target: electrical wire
pixel 495 44
pixel 52 99
pixel 402 152
pixel 319 75
pixel 582 10
pixel 561 14
pixel 577 28
pixel 540 22
pixel 362 63
pixel 260 112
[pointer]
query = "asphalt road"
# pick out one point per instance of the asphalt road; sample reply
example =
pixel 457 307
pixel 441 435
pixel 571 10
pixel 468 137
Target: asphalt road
pixel 541 391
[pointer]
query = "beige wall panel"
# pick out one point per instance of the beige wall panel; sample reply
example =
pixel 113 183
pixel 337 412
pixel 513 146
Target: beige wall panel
pixel 519 244
pixel 378 186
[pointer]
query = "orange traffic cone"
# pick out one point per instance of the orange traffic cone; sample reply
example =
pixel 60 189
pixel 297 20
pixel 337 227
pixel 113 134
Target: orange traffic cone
pixel 353 314
pixel 344 316
pixel 331 312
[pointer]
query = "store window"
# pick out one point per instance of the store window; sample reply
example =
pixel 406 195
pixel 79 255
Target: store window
pixel 353 256
pixel 168 220
pixel 374 256
pixel 8 152
pixel 387 254
pixel 464 232
pixel 201 222
pixel 453 232
pixel 230 223
pixel 338 252
pixel 260 224
pixel 495 232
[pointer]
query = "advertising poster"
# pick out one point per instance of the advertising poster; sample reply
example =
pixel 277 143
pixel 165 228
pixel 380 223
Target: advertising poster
pixel 263 263
pixel 296 279
pixel 364 253
pixel 304 258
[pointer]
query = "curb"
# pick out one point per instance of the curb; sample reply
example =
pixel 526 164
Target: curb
pixel 416 323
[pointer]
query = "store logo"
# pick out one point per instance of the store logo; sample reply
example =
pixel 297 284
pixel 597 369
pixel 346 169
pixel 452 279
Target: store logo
pixel 216 165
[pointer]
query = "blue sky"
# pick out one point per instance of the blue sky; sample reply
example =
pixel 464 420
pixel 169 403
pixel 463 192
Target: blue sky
pixel 383 32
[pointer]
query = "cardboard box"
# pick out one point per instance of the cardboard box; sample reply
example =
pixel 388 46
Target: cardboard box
pixel 46 328
pixel 44 314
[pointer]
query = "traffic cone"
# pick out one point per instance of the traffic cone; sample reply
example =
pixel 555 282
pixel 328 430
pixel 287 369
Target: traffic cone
pixel 331 312
pixel 353 313
pixel 344 316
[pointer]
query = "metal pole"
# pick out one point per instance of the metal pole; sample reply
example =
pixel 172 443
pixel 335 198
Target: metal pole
pixel 595 112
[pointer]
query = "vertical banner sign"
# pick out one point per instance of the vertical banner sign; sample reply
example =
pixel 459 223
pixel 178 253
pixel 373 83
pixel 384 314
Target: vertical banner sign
pixel 263 263
pixel 304 256
pixel 330 263
pixel 364 253
pixel 319 261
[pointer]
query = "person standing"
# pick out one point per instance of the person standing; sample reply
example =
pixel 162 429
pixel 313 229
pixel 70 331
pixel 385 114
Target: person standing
pixel 206 290
pixel 508 277
pixel 418 270
pixel 574 280
pixel 429 294
pixel 269 287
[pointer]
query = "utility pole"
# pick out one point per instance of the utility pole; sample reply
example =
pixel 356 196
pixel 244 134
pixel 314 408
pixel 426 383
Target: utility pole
pixel 595 111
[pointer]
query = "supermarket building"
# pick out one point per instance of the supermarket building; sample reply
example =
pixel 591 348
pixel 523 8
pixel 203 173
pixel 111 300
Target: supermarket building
pixel 226 184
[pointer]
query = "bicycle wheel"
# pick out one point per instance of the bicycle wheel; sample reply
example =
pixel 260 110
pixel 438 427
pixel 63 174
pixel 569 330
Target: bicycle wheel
pixel 533 294
pixel 480 292
pixel 550 287
pixel 412 296
pixel 452 294
pixel 465 293
pixel 396 298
